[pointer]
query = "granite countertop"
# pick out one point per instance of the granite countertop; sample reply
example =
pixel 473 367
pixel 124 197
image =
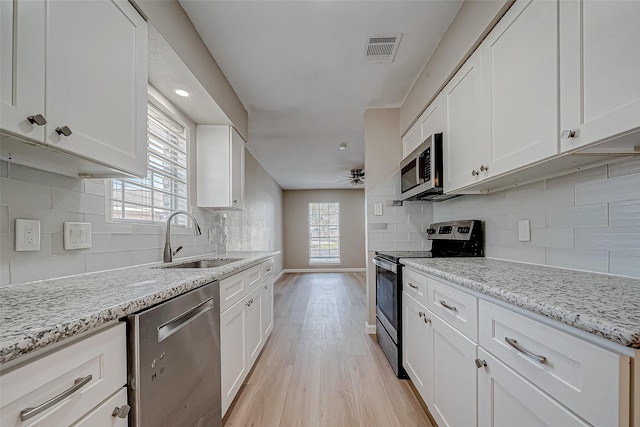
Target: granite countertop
pixel 604 305
pixel 38 314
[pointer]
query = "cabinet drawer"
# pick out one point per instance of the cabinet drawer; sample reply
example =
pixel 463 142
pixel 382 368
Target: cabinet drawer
pixel 102 416
pixel 591 381
pixel 455 307
pixel 232 289
pixel 102 356
pixel 267 269
pixel 415 285
pixel 254 277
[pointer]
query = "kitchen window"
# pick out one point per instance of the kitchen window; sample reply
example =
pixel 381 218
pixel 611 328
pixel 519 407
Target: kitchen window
pixel 324 233
pixel 164 189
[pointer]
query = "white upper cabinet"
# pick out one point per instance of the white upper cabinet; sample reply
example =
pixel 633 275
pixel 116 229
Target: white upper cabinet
pixel 411 140
pixel 221 158
pixel 431 120
pixel 599 69
pixel 466 128
pixel 520 60
pixel 81 65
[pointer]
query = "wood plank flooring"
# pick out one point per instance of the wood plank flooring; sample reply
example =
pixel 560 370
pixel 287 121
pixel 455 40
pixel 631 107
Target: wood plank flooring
pixel 320 368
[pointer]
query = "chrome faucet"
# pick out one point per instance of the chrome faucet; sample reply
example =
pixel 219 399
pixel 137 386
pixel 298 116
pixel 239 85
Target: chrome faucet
pixel 168 252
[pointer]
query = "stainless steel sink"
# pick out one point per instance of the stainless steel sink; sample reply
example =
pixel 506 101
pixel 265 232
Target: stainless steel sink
pixel 206 263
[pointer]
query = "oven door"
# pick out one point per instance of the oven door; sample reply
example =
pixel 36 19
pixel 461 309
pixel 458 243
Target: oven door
pixel 387 296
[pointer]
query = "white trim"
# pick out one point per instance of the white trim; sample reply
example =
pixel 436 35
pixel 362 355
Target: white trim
pixel 369 328
pixel 278 276
pixel 324 270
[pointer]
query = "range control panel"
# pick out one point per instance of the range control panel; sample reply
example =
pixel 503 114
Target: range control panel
pixel 453 230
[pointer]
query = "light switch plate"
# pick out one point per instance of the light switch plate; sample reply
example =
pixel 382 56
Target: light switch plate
pixel 27 235
pixel 378 209
pixel 77 235
pixel 524 231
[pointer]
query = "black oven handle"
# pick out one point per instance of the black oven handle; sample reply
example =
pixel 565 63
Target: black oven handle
pixel 385 265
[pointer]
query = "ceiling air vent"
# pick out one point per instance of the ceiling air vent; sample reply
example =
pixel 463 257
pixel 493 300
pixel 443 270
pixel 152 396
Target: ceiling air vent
pixel 382 48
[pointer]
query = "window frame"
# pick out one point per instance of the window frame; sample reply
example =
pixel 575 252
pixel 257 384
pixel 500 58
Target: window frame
pixel 180 220
pixel 322 260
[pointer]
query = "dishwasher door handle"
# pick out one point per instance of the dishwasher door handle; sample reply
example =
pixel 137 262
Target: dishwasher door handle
pixel 174 325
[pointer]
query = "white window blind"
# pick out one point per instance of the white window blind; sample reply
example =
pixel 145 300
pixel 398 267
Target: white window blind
pixel 164 189
pixel 324 233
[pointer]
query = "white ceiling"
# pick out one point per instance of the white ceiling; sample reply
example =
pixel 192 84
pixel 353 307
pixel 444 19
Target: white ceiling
pixel 298 68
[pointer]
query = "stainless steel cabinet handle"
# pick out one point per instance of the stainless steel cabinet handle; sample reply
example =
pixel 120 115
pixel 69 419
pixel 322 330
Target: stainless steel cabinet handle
pixel 28 413
pixel 513 343
pixel 266 287
pixel 38 119
pixel 480 363
pixel 413 286
pixel 63 130
pixel 484 168
pixel 235 201
pixel 427 319
pixel 475 173
pixel 121 411
pixel 421 314
pixel 566 134
pixel 447 306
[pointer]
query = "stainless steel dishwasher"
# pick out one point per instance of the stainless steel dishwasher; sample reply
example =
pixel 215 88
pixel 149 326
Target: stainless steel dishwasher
pixel 174 361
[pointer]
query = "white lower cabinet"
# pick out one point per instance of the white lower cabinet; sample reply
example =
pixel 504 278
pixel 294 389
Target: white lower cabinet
pixel 454 376
pixel 244 328
pixel 505 399
pixel 106 415
pixel 77 378
pixel 520 372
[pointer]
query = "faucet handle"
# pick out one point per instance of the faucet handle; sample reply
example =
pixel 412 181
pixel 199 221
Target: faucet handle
pixel 177 250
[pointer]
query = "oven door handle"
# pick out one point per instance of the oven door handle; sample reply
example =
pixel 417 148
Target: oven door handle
pixel 385 265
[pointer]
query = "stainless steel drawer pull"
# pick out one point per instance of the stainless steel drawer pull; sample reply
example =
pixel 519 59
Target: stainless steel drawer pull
pixel 38 119
pixel 121 411
pixel 28 413
pixel 421 314
pixel 480 363
pixel 513 343
pixel 63 130
pixel 447 306
pixel 412 286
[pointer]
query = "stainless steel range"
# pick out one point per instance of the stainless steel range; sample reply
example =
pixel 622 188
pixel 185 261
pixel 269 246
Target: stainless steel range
pixel 449 239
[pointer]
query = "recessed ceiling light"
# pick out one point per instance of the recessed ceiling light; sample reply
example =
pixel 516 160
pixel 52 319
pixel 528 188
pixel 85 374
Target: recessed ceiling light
pixel 182 92
pixel 343 146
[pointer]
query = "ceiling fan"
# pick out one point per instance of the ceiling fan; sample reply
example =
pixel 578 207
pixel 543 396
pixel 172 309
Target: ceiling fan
pixel 356 177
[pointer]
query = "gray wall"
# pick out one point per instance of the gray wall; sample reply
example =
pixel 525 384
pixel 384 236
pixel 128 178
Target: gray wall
pixel 296 230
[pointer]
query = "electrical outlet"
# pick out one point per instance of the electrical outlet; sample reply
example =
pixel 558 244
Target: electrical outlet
pixel 524 231
pixel 27 235
pixel 377 207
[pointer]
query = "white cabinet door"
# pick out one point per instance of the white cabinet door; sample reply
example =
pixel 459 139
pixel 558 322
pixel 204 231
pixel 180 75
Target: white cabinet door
pixel 505 399
pixel 96 81
pixel 253 304
pixel 599 69
pixel 233 351
pixel 520 60
pixel 237 170
pixel 22 66
pixel 102 415
pixel 454 372
pixel 431 120
pixel 465 120
pixel 267 308
pixel 417 350
pixel 411 140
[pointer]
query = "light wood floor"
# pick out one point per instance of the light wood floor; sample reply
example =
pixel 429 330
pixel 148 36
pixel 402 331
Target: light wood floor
pixel 319 367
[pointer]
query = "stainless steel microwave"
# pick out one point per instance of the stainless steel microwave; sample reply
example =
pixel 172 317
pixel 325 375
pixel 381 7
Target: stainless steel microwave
pixel 421 171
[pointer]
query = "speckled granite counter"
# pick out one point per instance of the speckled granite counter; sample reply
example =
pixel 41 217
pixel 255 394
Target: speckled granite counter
pixel 603 305
pixel 37 314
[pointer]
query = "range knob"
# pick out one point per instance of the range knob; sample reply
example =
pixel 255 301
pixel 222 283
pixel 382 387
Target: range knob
pixel 431 231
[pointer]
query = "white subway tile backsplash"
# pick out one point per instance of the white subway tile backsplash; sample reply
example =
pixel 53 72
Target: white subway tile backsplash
pixel 146 256
pixel 384 245
pixel 628 166
pixel 99 224
pixel 375 236
pixel 611 238
pixel 95 186
pixel 5 272
pixel 71 201
pixel 4 219
pixel 27 174
pixel 582 216
pixel 4 169
pixel 579 259
pixel 25 194
pixel 620 188
pixel 395 236
pixel 50 221
pixel 625 213
pixel 7 247
pixel 522 253
pixel 108 260
pixel 30 269
pixel 625 264
pixel 553 238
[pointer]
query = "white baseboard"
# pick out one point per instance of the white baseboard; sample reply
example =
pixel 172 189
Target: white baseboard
pixel 371 329
pixel 324 270
pixel 279 275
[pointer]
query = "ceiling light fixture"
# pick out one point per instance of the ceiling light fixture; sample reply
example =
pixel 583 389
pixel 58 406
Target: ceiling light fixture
pixel 343 146
pixel 182 92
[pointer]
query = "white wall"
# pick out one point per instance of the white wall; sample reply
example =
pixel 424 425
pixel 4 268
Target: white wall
pixel 296 230
pixel 589 220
